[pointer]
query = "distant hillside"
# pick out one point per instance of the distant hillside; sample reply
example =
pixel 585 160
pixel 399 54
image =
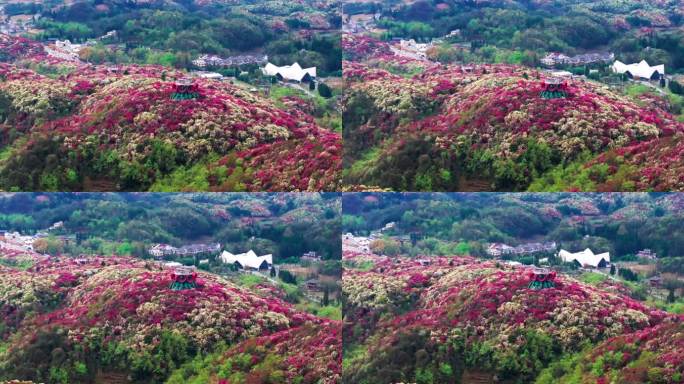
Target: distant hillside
pixel 622 223
pixel 285 225
pixel 461 318
pixel 633 30
pixel 79 127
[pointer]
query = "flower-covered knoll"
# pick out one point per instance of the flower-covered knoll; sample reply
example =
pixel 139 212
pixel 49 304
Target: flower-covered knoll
pixel 118 315
pixel 459 316
pixel 413 125
pixel 75 126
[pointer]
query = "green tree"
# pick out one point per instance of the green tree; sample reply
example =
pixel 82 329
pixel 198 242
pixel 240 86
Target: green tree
pixel 324 90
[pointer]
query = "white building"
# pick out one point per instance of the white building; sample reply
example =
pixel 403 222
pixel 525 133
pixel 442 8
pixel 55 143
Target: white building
pixel 641 70
pixel 586 258
pixel 292 72
pixel 208 75
pixel 247 260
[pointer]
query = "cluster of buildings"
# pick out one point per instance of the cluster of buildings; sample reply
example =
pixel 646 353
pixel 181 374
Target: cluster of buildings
pixel 411 49
pixel 311 256
pixel 24 243
pixel 16 241
pixel 66 50
pixel 646 254
pixel 500 249
pixel 360 23
pixel 557 59
pixel 640 70
pixel 165 250
pixel 233 61
pixel 356 244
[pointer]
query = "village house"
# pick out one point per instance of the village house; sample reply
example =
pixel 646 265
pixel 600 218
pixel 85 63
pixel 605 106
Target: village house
pixel 313 285
pixel 498 249
pixel 554 58
pixel 646 254
pixel 248 260
pixel 207 75
pixel 311 256
pixel 655 281
pixel 586 258
pixel 161 250
pixel 413 48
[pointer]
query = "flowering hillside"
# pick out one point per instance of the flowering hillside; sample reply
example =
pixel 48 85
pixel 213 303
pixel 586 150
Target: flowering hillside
pixel 119 128
pixel 653 164
pixel 307 354
pixel 483 126
pixel 457 315
pixel 119 315
pixel 652 355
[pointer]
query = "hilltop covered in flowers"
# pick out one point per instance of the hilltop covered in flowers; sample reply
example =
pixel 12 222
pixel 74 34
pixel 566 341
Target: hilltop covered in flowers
pixel 458 315
pixel 119 315
pixel 487 127
pixel 118 128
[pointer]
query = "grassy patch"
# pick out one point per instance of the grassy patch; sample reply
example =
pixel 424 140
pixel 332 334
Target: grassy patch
pixel 249 280
pixel 636 90
pixel 366 162
pixel 329 311
pixel 593 278
pixel 23 264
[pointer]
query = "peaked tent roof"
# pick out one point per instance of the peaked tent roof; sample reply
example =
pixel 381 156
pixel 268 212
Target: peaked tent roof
pixel 641 69
pixel 586 257
pixel 289 72
pixel 247 259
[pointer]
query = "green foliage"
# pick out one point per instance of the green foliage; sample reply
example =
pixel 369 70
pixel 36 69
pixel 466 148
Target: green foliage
pixel 593 278
pixel 324 90
pixel 287 277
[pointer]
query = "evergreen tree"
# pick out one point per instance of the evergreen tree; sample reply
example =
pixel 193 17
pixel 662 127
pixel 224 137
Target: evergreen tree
pixel 326 297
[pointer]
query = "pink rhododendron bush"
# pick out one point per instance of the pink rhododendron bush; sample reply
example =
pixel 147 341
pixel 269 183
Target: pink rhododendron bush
pixel 119 315
pixel 453 127
pixel 120 128
pixel 458 314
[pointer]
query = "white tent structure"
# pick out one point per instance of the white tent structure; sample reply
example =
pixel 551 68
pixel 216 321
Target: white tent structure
pixel 292 72
pixel 586 258
pixel 247 260
pixel 639 70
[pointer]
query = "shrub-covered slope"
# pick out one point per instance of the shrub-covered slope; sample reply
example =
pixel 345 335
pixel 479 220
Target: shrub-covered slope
pixel 416 125
pixel 458 317
pixel 117 128
pixel 80 320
